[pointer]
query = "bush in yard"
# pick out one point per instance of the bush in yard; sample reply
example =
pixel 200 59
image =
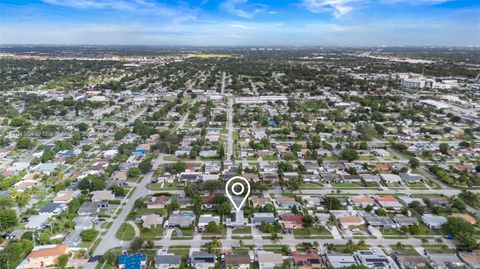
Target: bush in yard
pixel 89 235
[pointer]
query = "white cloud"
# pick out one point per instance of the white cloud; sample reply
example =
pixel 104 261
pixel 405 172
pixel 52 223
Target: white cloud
pixel 337 7
pixel 340 8
pixel 244 33
pixel 134 6
pixel 236 7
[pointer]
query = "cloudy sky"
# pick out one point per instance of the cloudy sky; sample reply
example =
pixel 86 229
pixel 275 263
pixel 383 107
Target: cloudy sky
pixel 241 22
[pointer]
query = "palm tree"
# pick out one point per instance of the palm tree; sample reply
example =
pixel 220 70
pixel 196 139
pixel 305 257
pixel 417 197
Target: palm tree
pixel 275 238
pixel 332 221
pixel 214 247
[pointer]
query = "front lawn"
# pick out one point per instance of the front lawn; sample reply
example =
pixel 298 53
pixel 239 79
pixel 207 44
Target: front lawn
pixel 438 249
pixel 186 234
pixel 319 232
pixel 404 249
pixel 309 186
pixel 392 233
pixel 417 185
pixel 152 234
pixel 125 232
pixel 347 185
pixel 242 230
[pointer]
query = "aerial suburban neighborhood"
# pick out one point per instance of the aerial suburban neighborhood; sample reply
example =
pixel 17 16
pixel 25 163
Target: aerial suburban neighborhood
pixel 117 157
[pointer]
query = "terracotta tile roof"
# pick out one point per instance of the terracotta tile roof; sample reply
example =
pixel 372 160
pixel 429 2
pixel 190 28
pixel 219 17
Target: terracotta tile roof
pixel 55 250
pixel 465 217
pixel 387 198
pixel 382 167
pixel 362 199
pixel 306 258
pixel 298 219
pixel 350 219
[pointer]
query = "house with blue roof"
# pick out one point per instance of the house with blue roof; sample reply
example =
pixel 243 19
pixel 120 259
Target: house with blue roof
pixel 132 261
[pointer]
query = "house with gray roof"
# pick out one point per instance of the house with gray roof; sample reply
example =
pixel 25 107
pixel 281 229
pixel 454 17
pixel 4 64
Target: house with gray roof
pixel 378 221
pixel 52 209
pixel 167 260
pixel 37 222
pixel 403 220
pixel 339 260
pixel 181 219
pixel 410 178
pixel 433 221
pixel 91 208
pixel 202 259
pixel 259 218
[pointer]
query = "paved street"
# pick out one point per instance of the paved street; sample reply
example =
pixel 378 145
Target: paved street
pixel 109 240
pixel 230 129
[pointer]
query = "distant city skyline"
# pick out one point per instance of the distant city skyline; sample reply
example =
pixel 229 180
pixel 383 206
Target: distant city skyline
pixel 241 22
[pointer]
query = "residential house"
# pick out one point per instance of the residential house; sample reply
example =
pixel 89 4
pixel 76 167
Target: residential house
pixel 37 222
pixel 205 219
pixel 351 178
pixel 251 177
pixel 181 219
pixel 390 178
pixel 378 221
pixel 190 177
pixel 374 258
pixel 202 260
pixel 328 177
pixel 212 167
pixel 382 167
pixel 465 217
pixel 269 176
pixel 433 221
pixel 193 167
pixel 43 256
pixel 237 219
pixel 119 176
pixel 259 218
pixel 208 153
pixel 167 261
pixel 388 202
pixel 410 261
pixel 403 220
pixel 237 261
pixel 90 208
pixel 83 222
pixel 445 261
pixel 339 260
pixel 269 260
pixel 158 202
pixel 407 200
pixel 45 168
pixel 410 178
pixel 260 202
pixel 370 178
pixel 346 222
pixel 307 260
pixel 65 197
pixel 102 195
pixel 472 259
pixel 362 201
pixel 132 261
pixel 184 202
pixel 291 221
pixel 210 177
pixel 286 202
pixel 52 209
pixel 151 221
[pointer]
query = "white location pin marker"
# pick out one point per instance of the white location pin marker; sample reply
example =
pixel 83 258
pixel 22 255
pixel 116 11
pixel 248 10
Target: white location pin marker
pixel 237 188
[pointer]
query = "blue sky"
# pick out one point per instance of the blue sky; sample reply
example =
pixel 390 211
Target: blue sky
pixel 241 22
